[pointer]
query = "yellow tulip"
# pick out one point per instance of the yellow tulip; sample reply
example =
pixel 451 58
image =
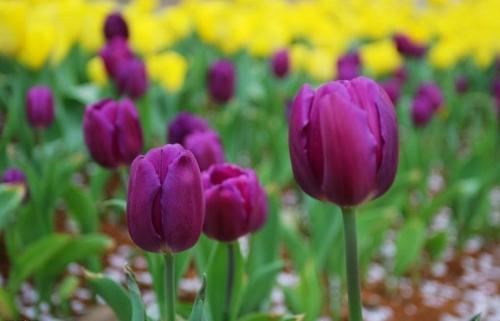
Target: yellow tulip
pixel 12 26
pixel 169 69
pixel 96 71
pixel 380 57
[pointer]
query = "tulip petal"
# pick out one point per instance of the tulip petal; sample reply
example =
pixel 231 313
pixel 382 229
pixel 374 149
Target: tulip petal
pixel 144 185
pixel 259 215
pixel 182 203
pixel 129 131
pixel 99 133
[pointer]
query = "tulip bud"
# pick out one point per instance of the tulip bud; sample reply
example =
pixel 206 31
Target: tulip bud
pixel 14 176
pixel 165 204
pixel 393 89
pixel 348 66
pixel 280 63
pixel 183 125
pixel 461 84
pixel 113 53
pixel 131 78
pixel 408 47
pixel 40 106
pixel 115 26
pixel 206 148
pixel 221 81
pixel 236 204
pixel 113 133
pixel 343 141
pixel 401 74
pixel 495 88
pixel 421 111
pixel 432 93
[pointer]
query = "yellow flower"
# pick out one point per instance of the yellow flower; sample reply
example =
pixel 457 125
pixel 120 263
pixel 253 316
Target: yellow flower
pixel 299 54
pixel 91 33
pixel 38 43
pixel 380 57
pixel 146 33
pixel 12 26
pixel 96 71
pixel 320 65
pixel 169 69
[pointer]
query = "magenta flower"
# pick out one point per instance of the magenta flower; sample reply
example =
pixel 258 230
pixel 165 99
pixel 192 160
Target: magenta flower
pixel 40 107
pixel 115 26
pixel 408 47
pixel 183 125
pixel 393 89
pixel 280 63
pixel 348 66
pixel 343 141
pixel 113 53
pixel 206 148
pixel 131 77
pixel 221 80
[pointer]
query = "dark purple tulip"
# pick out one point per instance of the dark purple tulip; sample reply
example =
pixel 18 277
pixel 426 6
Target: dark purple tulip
pixel 165 204
pixel 206 148
pixel 422 111
pixel 221 81
pixel 343 141
pixel 112 132
pixel 280 63
pixel 408 47
pixel 14 176
pixel 432 92
pixel 115 26
pixel 183 125
pixel 348 66
pixel 131 78
pixel 461 84
pixel 495 88
pixel 401 74
pixel 113 53
pixel 236 204
pixel 40 106
pixel 393 89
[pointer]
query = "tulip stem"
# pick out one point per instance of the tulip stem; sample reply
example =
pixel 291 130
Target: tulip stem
pixel 170 286
pixel 352 271
pixel 230 281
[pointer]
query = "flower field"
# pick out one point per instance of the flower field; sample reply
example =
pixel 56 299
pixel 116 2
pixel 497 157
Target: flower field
pixel 250 160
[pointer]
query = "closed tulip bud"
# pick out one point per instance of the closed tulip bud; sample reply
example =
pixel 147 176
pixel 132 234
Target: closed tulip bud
pixel 113 53
pixel 206 148
pixel 422 111
pixel 236 204
pixel 495 88
pixel 432 93
pixel 280 63
pixel 113 133
pixel 165 204
pixel 461 84
pixel 343 141
pixel 408 47
pixel 348 66
pixel 131 78
pixel 393 89
pixel 40 107
pixel 115 26
pixel 14 176
pixel 221 81
pixel 183 125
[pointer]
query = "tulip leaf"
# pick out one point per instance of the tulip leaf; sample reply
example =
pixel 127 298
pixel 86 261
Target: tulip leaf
pixel 436 245
pixel 82 207
pixel 409 243
pixel 118 204
pixel 271 317
pixel 199 312
pixel 477 317
pixel 112 293
pixel 138 311
pixel 7 305
pixel 11 197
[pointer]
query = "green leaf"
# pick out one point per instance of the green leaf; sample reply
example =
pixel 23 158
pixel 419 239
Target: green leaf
pixel 259 285
pixel 82 207
pixel 409 243
pixel 138 311
pixel 199 312
pixel 8 309
pixel 436 245
pixel 116 203
pixel 112 293
pixel 68 287
pixel 11 197
pixel 477 317
pixel 271 317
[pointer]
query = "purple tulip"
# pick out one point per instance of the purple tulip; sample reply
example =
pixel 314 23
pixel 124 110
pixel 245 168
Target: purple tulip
pixel 183 125
pixel 221 81
pixel 495 88
pixel 236 204
pixel 393 89
pixel 408 47
pixel 115 26
pixel 343 141
pixel 165 204
pixel 461 84
pixel 401 74
pixel 348 66
pixel 422 111
pixel 131 78
pixel 206 148
pixel 40 107
pixel 280 63
pixel 14 176
pixel 433 93
pixel 113 53
pixel 113 133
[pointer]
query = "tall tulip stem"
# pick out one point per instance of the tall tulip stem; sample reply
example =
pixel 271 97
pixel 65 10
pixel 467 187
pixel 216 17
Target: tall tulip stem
pixel 352 270
pixel 170 286
pixel 230 281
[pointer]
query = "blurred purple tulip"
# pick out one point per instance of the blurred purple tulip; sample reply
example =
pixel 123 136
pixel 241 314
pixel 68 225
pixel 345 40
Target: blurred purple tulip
pixel 206 148
pixel 40 106
pixel 432 92
pixel 221 79
pixel 393 89
pixel 236 204
pixel 183 125
pixel 461 84
pixel 112 132
pixel 114 53
pixel 165 203
pixel 280 63
pixel 14 176
pixel 115 26
pixel 348 66
pixel 131 78
pixel 495 88
pixel 408 47
pixel 421 111
pixel 401 74
pixel 343 141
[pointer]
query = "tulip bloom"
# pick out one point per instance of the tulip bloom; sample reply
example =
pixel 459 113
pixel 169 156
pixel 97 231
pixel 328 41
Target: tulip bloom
pixel 408 47
pixel 165 204
pixel 40 107
pixel 461 84
pixel 348 66
pixel 113 133
pixel 343 141
pixel 131 78
pixel 236 204
pixel 183 125
pixel 280 63
pixel 393 89
pixel 221 81
pixel 114 53
pixel 432 93
pixel 206 148
pixel 115 26
pixel 421 111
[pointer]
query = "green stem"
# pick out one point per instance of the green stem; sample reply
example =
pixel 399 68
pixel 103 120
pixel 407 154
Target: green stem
pixel 123 173
pixel 352 271
pixel 229 282
pixel 170 286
